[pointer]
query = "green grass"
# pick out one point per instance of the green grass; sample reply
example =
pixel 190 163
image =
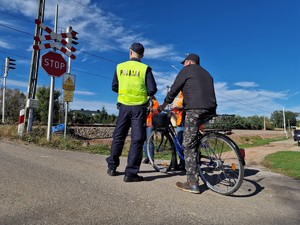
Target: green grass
pixel 38 136
pixel 253 141
pixel 284 162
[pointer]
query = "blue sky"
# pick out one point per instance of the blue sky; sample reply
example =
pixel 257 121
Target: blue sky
pixel 251 48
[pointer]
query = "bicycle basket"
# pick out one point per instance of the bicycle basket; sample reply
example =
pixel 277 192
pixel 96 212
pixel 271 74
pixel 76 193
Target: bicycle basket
pixel 161 120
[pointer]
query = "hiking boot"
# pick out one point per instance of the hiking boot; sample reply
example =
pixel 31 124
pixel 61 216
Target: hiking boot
pixel 192 187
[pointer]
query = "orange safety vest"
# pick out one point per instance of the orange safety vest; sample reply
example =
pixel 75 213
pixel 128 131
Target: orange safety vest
pixel 153 111
pixel 177 108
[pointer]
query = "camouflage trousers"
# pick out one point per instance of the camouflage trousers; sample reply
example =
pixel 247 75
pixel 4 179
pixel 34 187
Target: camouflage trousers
pixel 193 119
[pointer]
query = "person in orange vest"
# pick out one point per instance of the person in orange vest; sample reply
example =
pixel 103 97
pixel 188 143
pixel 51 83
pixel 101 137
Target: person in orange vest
pixel 149 128
pixel 177 109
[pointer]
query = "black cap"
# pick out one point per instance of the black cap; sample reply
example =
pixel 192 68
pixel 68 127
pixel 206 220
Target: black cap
pixel 138 48
pixel 193 57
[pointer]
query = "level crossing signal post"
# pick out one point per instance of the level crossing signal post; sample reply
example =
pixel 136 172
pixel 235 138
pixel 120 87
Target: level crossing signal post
pixel 53 63
pixel 9 64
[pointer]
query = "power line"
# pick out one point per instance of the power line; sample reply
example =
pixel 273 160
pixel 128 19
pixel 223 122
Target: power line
pixel 88 41
pixel 9 53
pixel 88 7
pixel 97 56
pixel 104 58
pixel 16 16
pixel 8 27
pixel 241 103
pixel 92 74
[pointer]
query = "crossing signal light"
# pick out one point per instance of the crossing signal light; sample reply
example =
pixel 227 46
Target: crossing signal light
pixel 74 42
pixel 74 38
pixel 9 63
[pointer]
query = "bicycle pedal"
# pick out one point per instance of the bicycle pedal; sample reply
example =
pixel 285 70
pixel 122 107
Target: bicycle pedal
pixel 163 170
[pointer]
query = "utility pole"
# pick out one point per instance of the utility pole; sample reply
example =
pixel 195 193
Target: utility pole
pixel 33 75
pixel 284 126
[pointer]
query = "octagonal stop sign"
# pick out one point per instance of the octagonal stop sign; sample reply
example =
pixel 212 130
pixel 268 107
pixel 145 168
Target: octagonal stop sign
pixel 54 64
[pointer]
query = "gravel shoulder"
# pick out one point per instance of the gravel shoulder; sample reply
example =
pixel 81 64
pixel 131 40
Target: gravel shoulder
pixel 255 155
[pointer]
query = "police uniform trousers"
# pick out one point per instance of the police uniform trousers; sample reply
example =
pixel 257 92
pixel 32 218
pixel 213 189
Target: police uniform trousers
pixel 134 117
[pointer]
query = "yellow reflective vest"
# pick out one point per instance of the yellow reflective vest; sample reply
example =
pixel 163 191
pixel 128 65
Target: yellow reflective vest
pixel 132 84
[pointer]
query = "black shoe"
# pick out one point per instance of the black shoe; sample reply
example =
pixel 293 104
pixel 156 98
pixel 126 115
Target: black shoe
pixel 112 172
pixel 192 187
pixel 133 178
pixel 146 161
pixel 180 167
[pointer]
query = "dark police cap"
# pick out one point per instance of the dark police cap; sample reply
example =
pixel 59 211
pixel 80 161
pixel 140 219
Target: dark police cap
pixel 138 48
pixel 193 57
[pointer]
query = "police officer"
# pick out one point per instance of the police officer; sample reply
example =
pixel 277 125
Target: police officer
pixel 133 81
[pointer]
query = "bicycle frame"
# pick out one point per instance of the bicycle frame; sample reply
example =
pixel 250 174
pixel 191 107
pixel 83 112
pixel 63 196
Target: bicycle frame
pixel 178 147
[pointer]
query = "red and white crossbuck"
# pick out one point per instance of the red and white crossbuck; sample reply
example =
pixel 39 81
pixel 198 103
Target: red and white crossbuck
pixel 62 45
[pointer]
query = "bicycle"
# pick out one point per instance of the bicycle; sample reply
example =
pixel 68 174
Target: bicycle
pixel 220 160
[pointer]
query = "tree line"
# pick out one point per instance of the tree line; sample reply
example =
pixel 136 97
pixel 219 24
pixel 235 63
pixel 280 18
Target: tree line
pixel 15 101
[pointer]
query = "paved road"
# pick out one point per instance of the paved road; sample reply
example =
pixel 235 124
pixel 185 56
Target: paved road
pixel 48 186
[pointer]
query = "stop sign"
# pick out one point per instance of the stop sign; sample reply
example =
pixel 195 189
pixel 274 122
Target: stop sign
pixel 54 64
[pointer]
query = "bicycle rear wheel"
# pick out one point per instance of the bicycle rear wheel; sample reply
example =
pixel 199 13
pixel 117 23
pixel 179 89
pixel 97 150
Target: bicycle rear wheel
pixel 164 151
pixel 221 165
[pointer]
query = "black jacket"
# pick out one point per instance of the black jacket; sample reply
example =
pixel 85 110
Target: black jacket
pixel 197 86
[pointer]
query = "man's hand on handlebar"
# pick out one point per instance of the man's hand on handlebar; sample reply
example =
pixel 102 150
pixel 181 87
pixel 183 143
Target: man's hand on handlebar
pixel 161 107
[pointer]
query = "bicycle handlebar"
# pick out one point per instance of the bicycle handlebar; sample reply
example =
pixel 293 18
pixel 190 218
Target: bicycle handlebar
pixel 206 118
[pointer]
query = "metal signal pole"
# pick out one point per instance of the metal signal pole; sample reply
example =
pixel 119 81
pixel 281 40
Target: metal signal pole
pixel 69 29
pixel 3 101
pixel 33 75
pixel 52 85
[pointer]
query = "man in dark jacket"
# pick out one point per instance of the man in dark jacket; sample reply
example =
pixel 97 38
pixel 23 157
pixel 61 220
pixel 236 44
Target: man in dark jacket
pixel 199 101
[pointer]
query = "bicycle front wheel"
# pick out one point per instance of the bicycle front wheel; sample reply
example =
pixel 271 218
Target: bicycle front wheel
pixel 160 150
pixel 220 163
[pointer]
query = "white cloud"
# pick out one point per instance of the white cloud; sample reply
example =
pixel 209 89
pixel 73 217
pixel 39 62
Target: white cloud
pixel 88 93
pixel 240 101
pixel 27 7
pixel 246 84
pixel 16 83
pixel 5 45
pixel 245 102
